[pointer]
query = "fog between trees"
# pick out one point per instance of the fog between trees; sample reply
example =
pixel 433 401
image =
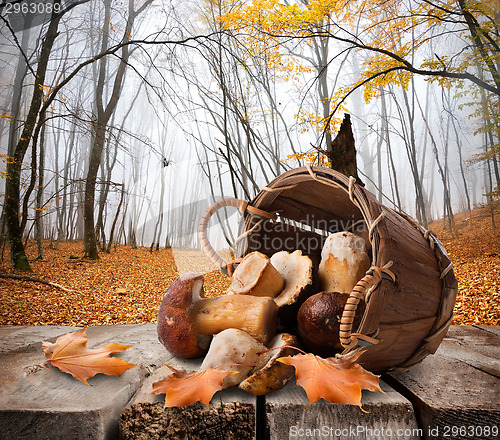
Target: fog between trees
pixel 122 121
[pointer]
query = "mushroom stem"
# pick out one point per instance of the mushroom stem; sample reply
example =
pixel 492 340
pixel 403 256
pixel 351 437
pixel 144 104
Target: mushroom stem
pixel 255 315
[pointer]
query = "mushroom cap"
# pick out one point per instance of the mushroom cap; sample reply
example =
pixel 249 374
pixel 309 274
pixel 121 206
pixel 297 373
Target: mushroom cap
pixel 184 290
pixel 296 270
pixel 319 321
pixel 174 327
pixel 236 350
pixel 255 275
pixel 344 261
pixel 274 375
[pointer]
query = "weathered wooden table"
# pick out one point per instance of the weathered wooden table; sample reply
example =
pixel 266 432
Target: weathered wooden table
pixel 453 394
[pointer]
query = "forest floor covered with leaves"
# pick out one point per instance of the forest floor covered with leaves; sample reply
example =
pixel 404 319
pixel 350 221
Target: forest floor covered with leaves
pixel 123 287
pixel 474 250
pixel 127 285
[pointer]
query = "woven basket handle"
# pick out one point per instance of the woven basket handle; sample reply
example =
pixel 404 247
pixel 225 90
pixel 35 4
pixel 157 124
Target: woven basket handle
pixel 243 206
pixel 361 291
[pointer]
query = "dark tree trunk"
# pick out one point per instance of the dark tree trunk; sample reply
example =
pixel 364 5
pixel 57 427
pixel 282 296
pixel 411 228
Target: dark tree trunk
pixel 39 196
pixel 342 152
pixel 89 235
pixel 104 113
pixel 12 183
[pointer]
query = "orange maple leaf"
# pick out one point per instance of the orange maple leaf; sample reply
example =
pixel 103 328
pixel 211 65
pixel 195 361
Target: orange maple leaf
pixel 182 388
pixel 70 354
pixel 335 380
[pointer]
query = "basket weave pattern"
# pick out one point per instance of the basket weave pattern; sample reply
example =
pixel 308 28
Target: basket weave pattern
pixel 410 290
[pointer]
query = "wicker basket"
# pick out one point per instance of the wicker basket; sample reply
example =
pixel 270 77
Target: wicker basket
pixel 410 290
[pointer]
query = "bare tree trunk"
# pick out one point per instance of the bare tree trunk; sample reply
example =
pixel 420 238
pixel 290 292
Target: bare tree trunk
pixel 21 70
pixel 104 113
pixel 159 222
pixel 12 185
pixel 106 174
pixel 489 179
pixel 89 237
pixel 39 196
pixel 112 232
pixel 442 173
pixel 379 162
pixel 390 159
pixel 321 49
pixel 412 156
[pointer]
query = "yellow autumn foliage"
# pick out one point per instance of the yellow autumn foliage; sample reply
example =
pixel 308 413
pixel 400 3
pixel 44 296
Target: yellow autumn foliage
pixel 392 31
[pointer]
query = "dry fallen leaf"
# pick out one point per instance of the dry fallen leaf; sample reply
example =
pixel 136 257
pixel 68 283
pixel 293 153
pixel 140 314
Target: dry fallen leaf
pixel 70 354
pixel 182 388
pixel 335 380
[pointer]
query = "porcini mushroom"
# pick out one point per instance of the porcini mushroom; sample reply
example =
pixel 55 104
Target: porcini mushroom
pixel 296 270
pixel 255 275
pixel 319 322
pixel 344 261
pixel 236 350
pixel 274 375
pixel 186 320
pixel 255 315
pixel 174 326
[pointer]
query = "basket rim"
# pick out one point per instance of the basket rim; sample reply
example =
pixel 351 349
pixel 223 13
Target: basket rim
pixel 373 212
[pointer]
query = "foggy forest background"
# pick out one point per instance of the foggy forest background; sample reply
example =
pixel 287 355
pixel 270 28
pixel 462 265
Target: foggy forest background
pixel 122 121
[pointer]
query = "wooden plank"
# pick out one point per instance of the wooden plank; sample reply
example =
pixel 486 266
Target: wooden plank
pixel 386 416
pixel 477 347
pixel 490 328
pixel 5 330
pixel 455 392
pixel 231 416
pixel 40 403
pixel 20 337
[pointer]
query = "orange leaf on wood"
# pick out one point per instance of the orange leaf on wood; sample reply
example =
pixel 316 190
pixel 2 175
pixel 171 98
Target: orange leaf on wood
pixel 70 354
pixel 182 388
pixel 335 380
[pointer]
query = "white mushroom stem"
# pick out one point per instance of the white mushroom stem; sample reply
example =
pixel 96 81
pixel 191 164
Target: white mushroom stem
pixel 255 315
pixel 256 276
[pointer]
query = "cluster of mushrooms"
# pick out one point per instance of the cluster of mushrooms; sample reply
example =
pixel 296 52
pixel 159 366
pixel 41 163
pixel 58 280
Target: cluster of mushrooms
pixel 270 307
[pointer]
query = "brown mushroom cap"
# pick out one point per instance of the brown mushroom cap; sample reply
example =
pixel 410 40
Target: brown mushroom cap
pixel 274 375
pixel 319 322
pixel 174 327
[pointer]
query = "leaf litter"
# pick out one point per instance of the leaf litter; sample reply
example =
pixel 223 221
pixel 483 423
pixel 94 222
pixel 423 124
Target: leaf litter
pixel 127 285
pixel 123 287
pixel 475 253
